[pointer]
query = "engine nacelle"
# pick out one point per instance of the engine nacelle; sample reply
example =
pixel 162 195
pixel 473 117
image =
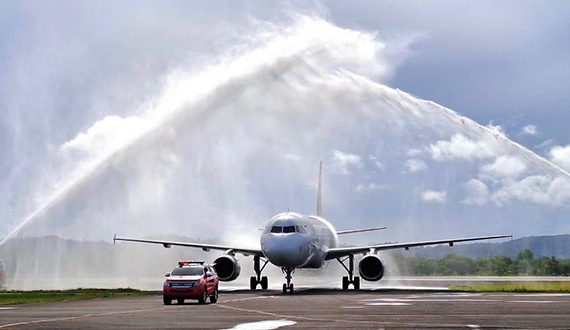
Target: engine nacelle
pixel 371 268
pixel 227 267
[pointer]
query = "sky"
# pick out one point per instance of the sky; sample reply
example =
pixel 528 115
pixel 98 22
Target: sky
pixel 88 90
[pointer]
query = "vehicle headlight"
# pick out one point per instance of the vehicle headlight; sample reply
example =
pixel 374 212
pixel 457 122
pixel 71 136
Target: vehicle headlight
pixel 167 284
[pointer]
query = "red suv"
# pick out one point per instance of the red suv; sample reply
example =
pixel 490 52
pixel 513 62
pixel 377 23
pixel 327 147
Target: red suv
pixel 191 280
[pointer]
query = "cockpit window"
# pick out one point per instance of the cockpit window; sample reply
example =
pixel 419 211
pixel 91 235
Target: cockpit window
pixel 289 229
pixel 301 230
pixel 276 229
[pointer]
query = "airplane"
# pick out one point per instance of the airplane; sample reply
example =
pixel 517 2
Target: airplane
pixel 294 241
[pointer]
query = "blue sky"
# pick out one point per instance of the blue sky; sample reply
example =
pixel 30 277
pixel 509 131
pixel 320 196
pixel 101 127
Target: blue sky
pixel 74 74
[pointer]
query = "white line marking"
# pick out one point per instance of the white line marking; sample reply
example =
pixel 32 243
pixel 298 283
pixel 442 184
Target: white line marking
pixel 473 326
pixel 8 308
pixel 532 301
pixel 263 325
pixel 352 307
pixel 388 304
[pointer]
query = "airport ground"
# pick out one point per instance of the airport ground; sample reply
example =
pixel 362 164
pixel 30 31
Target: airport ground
pixel 323 307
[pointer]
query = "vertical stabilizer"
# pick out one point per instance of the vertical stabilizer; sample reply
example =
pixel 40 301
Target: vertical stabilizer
pixel 320 191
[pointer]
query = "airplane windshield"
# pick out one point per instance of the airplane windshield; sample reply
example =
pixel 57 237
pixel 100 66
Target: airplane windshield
pixel 276 229
pixel 289 229
pixel 301 230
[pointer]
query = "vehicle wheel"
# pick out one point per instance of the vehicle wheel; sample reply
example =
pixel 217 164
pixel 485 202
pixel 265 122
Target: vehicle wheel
pixel 180 301
pixel 252 283
pixel 264 283
pixel 167 301
pixel 214 297
pixel 284 288
pixel 202 299
pixel 345 282
pixel 356 283
pixel 291 288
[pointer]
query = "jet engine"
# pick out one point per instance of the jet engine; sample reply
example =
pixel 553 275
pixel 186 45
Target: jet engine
pixel 227 267
pixel 371 268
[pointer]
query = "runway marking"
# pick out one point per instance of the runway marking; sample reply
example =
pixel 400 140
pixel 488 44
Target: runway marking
pixel 315 319
pixel 473 326
pixel 10 325
pixel 533 301
pixel 263 325
pixel 352 307
pixel 245 299
pixel 8 308
pixel 388 304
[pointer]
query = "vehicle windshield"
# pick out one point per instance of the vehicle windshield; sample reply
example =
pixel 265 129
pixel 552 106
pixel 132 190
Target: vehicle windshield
pixel 188 271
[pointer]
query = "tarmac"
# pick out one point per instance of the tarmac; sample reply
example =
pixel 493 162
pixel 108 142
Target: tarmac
pixel 369 308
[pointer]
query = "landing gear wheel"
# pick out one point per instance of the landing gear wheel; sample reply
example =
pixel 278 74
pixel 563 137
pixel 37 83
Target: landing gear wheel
pixel 284 288
pixel 356 283
pixel 180 301
pixel 345 282
pixel 252 283
pixel 202 299
pixel 264 283
pixel 291 288
pixel 167 301
pixel 214 297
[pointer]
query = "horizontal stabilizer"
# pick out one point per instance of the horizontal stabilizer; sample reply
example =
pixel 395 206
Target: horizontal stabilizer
pixel 353 231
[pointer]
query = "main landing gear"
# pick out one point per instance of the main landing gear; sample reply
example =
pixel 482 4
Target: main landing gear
pixel 258 279
pixel 288 286
pixel 350 279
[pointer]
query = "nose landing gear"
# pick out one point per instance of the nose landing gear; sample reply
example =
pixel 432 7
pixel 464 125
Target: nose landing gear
pixel 350 279
pixel 288 286
pixel 258 279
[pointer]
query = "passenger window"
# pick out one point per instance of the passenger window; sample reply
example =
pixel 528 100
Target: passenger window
pixel 301 230
pixel 289 229
pixel 276 229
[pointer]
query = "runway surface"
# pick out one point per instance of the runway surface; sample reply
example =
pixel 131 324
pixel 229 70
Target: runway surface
pixel 307 308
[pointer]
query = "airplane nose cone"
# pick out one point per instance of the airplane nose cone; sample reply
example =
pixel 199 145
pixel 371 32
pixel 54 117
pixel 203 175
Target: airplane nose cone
pixel 286 250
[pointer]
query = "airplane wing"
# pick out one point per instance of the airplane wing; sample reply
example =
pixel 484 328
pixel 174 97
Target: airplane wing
pixel 353 231
pixel 342 252
pixel 204 247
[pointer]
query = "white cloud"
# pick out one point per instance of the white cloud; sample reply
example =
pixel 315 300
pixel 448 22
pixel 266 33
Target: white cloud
pixel 344 163
pixel 504 167
pixel 529 130
pixel 461 147
pixel 414 152
pixel 477 193
pixel 370 186
pixel 415 165
pixel 293 157
pixel 560 156
pixel 376 162
pixel 432 196
pixel 537 189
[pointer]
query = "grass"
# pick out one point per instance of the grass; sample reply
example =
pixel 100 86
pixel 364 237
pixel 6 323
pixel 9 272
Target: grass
pixel 530 287
pixel 27 297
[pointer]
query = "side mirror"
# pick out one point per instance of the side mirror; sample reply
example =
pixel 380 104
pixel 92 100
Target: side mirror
pixel 208 274
pixel 167 275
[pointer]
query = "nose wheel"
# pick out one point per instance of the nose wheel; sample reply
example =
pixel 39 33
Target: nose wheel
pixel 258 279
pixel 350 279
pixel 288 287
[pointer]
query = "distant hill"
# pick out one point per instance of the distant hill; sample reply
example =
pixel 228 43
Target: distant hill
pixel 541 246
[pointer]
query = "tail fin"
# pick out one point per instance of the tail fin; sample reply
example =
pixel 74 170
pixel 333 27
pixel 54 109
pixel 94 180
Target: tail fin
pixel 320 191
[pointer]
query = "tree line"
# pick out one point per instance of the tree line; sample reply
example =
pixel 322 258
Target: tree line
pixel 452 264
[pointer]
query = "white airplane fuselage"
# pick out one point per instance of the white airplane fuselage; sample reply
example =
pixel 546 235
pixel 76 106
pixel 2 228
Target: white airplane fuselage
pixel 293 240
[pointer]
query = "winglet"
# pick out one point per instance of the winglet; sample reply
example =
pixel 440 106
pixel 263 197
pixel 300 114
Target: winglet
pixel 114 238
pixel 320 191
